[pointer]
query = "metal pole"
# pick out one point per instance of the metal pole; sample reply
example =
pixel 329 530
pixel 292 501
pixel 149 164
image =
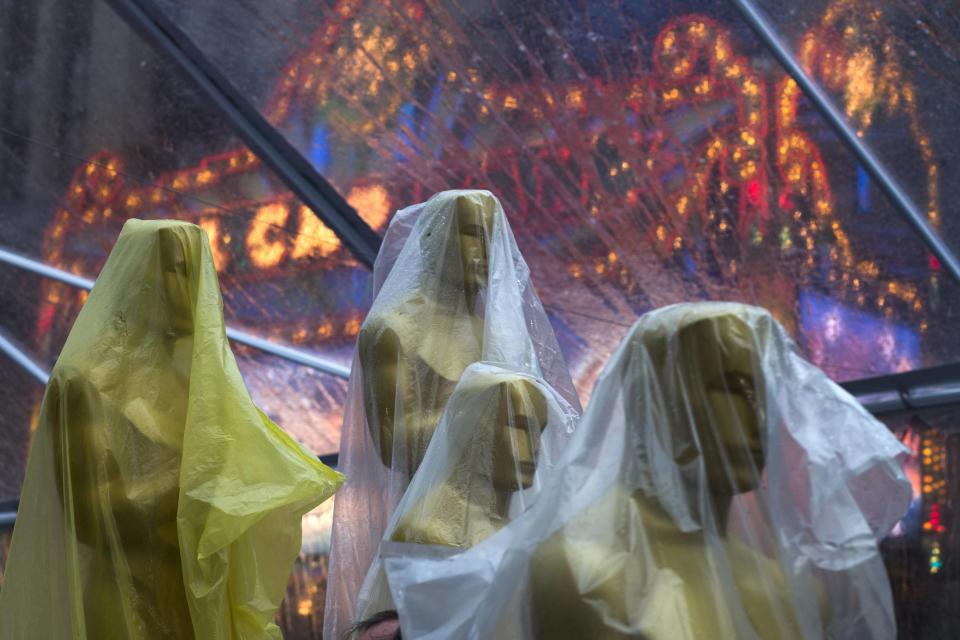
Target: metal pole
pixel 22 359
pixel 287 353
pixel 259 135
pixel 883 179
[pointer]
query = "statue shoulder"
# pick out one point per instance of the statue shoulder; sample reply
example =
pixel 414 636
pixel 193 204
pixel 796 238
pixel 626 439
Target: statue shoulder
pixel 386 328
pixel 443 517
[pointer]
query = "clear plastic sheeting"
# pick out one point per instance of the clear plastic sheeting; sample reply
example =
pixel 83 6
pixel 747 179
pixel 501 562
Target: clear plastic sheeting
pixel 452 289
pixel 500 435
pixel 891 69
pixel 718 486
pixel 649 153
pixel 159 502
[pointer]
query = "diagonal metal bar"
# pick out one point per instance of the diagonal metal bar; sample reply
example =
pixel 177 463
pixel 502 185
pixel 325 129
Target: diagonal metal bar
pixel 919 389
pixel 823 104
pixel 241 337
pixel 258 134
pixel 25 362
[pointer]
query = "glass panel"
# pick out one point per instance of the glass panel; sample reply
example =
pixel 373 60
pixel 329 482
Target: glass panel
pixel 923 552
pixel 891 68
pixel 307 402
pixel 646 153
pixel 97 128
pixel 20 392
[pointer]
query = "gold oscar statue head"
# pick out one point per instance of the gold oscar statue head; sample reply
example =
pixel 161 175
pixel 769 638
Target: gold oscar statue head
pixel 457 227
pixel 707 370
pixel 176 283
pixel 492 437
pixel 521 415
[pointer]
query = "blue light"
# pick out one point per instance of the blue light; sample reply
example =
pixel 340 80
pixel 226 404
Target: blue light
pixel 320 148
pixel 863 190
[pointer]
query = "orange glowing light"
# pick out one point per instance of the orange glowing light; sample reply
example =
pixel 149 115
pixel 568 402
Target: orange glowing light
pixel 263 245
pixel 313 237
pixel 211 227
pixel 372 203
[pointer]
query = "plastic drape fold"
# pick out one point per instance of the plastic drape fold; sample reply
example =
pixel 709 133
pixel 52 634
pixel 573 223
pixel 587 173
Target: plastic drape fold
pixel 451 289
pixel 159 502
pixel 718 486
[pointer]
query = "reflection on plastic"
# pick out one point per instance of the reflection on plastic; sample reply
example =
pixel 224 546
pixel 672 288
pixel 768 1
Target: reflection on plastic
pixel 718 486
pixel 451 289
pixel 158 501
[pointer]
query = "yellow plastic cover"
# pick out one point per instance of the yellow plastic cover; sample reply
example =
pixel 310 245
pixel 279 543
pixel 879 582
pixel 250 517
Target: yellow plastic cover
pixel 159 502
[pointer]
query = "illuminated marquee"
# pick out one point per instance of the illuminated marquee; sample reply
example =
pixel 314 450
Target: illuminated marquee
pixel 783 203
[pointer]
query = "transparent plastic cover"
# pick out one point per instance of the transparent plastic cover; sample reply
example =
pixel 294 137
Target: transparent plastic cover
pixel 719 485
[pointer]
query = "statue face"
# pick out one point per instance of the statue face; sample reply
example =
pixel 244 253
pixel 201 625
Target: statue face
pixel 521 416
pixel 717 370
pixel 173 262
pixel 474 217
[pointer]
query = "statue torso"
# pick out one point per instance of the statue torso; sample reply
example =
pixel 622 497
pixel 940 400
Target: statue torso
pixel 412 358
pixel 607 576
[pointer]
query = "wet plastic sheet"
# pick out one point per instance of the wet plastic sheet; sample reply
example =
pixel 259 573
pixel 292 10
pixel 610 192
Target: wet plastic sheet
pixel 500 434
pixel 718 486
pixel 451 289
pixel 159 502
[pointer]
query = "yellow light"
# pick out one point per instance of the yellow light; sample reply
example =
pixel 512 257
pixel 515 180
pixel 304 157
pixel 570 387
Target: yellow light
pixel 211 226
pixel 669 40
pixel 574 98
pixel 671 95
pixel 313 237
pixel 372 203
pixel 304 607
pixel 352 327
pixel 265 248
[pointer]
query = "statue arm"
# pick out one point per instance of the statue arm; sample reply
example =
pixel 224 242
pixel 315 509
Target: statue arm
pixel 380 361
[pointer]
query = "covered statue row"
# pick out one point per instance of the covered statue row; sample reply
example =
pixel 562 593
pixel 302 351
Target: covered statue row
pixel 158 502
pixel 718 485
